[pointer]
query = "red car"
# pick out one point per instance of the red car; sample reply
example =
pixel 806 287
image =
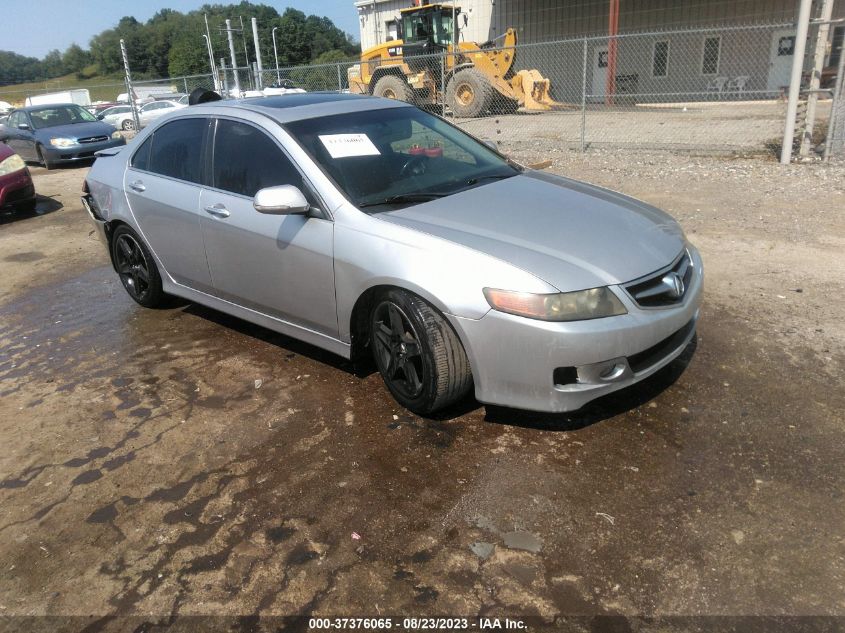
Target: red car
pixel 16 188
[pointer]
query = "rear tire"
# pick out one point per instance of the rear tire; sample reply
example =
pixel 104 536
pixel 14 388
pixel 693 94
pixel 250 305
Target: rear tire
pixel 128 125
pixel 469 93
pixel 419 355
pixel 136 267
pixel 393 87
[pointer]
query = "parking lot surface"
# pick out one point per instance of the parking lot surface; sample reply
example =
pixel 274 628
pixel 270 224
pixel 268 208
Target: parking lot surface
pixel 180 461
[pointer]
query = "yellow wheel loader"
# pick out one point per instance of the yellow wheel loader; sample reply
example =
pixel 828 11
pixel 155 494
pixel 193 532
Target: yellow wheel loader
pixel 478 78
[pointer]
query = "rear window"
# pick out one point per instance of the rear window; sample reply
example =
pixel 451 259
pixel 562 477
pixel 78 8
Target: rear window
pixel 176 150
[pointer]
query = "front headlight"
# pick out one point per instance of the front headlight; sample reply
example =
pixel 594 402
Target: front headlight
pixel 11 164
pixel 62 142
pixel 594 303
pixel 116 135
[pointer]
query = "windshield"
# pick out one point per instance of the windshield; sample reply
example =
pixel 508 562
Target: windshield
pixel 395 156
pixel 419 26
pixel 59 115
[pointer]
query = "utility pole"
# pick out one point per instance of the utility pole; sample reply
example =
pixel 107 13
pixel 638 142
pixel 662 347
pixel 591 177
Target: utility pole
pixel 260 71
pixel 129 91
pixel 246 52
pixel 795 81
pixel 234 58
pixel 815 75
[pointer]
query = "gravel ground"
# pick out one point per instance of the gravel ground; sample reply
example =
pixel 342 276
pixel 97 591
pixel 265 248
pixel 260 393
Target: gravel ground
pixel 747 126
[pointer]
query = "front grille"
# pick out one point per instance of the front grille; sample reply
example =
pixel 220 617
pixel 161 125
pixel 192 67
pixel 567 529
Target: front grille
pixel 665 288
pixel 654 354
pixel 94 139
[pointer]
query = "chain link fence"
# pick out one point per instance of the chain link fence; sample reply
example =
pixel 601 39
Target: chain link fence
pixel 716 89
pixel 710 89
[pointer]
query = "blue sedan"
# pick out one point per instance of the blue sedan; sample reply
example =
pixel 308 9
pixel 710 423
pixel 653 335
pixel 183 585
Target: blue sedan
pixel 57 134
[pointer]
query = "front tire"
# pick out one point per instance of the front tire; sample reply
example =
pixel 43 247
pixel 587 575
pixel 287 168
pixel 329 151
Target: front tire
pixel 136 268
pixel 469 93
pixel 128 125
pixel 418 353
pixel 43 160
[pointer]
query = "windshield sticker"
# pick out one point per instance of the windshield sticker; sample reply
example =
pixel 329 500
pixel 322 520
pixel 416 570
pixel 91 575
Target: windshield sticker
pixel 346 145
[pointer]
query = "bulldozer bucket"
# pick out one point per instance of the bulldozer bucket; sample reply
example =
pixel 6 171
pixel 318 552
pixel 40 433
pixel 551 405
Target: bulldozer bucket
pixel 532 91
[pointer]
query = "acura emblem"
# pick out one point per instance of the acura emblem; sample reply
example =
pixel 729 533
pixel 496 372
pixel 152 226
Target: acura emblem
pixel 674 284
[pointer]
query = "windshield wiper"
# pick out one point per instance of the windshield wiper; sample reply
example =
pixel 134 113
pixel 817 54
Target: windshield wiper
pixel 475 181
pixel 404 197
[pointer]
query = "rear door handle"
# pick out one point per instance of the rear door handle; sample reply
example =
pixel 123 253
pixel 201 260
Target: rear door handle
pixel 217 210
pixel 137 185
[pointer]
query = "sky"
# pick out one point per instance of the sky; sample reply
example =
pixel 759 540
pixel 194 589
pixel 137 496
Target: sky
pixel 35 27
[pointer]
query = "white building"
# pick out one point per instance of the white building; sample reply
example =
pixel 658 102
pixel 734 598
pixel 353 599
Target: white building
pixel 709 59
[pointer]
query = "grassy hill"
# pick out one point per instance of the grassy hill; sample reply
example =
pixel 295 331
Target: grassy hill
pixel 102 87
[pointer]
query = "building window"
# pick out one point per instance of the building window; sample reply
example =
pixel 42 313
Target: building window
pixel 836 46
pixel 390 29
pixel 710 58
pixel 660 59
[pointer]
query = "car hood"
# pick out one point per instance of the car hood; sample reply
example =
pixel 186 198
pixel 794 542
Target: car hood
pixel 76 130
pixel 570 234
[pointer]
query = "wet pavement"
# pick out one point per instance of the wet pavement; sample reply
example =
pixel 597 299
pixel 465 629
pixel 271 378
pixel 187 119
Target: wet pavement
pixel 183 462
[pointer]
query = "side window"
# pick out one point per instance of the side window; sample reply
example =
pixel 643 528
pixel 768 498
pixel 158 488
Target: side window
pixel 246 160
pixel 16 119
pixel 141 158
pixel 176 151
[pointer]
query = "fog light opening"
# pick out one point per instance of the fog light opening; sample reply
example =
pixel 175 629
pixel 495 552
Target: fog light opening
pixel 565 376
pixel 612 371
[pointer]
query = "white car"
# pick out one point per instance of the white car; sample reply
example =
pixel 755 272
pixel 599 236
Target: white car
pixel 117 116
pixel 147 113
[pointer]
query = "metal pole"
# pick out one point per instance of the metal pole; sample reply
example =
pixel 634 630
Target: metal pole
pixel 834 106
pixel 584 99
pixel 246 52
pixel 225 76
pixel 276 58
pixel 260 74
pixel 234 59
pixel 339 82
pixel 815 76
pixel 211 54
pixel 211 62
pixel 443 86
pixel 795 81
pixel 129 90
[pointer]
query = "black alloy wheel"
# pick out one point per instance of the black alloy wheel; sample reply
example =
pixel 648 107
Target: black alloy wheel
pixel 136 268
pixel 397 350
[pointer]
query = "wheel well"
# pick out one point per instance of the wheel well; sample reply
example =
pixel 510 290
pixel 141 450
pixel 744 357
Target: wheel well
pixel 378 73
pixel 110 227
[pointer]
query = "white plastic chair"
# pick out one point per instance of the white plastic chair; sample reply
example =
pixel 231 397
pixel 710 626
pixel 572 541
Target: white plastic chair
pixel 737 84
pixel 717 84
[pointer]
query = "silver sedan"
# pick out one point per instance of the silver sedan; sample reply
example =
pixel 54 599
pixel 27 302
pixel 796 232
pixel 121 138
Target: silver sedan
pixel 375 230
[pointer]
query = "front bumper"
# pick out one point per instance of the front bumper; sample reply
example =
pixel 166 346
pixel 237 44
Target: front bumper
pixel 514 359
pixel 16 188
pixel 66 155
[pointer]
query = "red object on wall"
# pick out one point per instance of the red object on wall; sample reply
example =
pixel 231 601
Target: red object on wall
pixel 612 30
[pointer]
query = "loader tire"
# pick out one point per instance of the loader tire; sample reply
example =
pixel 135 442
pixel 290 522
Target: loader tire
pixel 469 93
pixel 393 87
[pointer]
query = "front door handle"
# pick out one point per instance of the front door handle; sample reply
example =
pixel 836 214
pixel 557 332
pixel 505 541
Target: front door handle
pixel 217 210
pixel 137 185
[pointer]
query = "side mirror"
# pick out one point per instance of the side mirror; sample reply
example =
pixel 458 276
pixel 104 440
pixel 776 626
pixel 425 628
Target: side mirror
pixel 281 200
pixel 491 144
pixel 23 126
pixel 100 117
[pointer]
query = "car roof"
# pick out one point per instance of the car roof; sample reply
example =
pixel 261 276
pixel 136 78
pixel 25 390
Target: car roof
pixel 45 106
pixel 309 105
